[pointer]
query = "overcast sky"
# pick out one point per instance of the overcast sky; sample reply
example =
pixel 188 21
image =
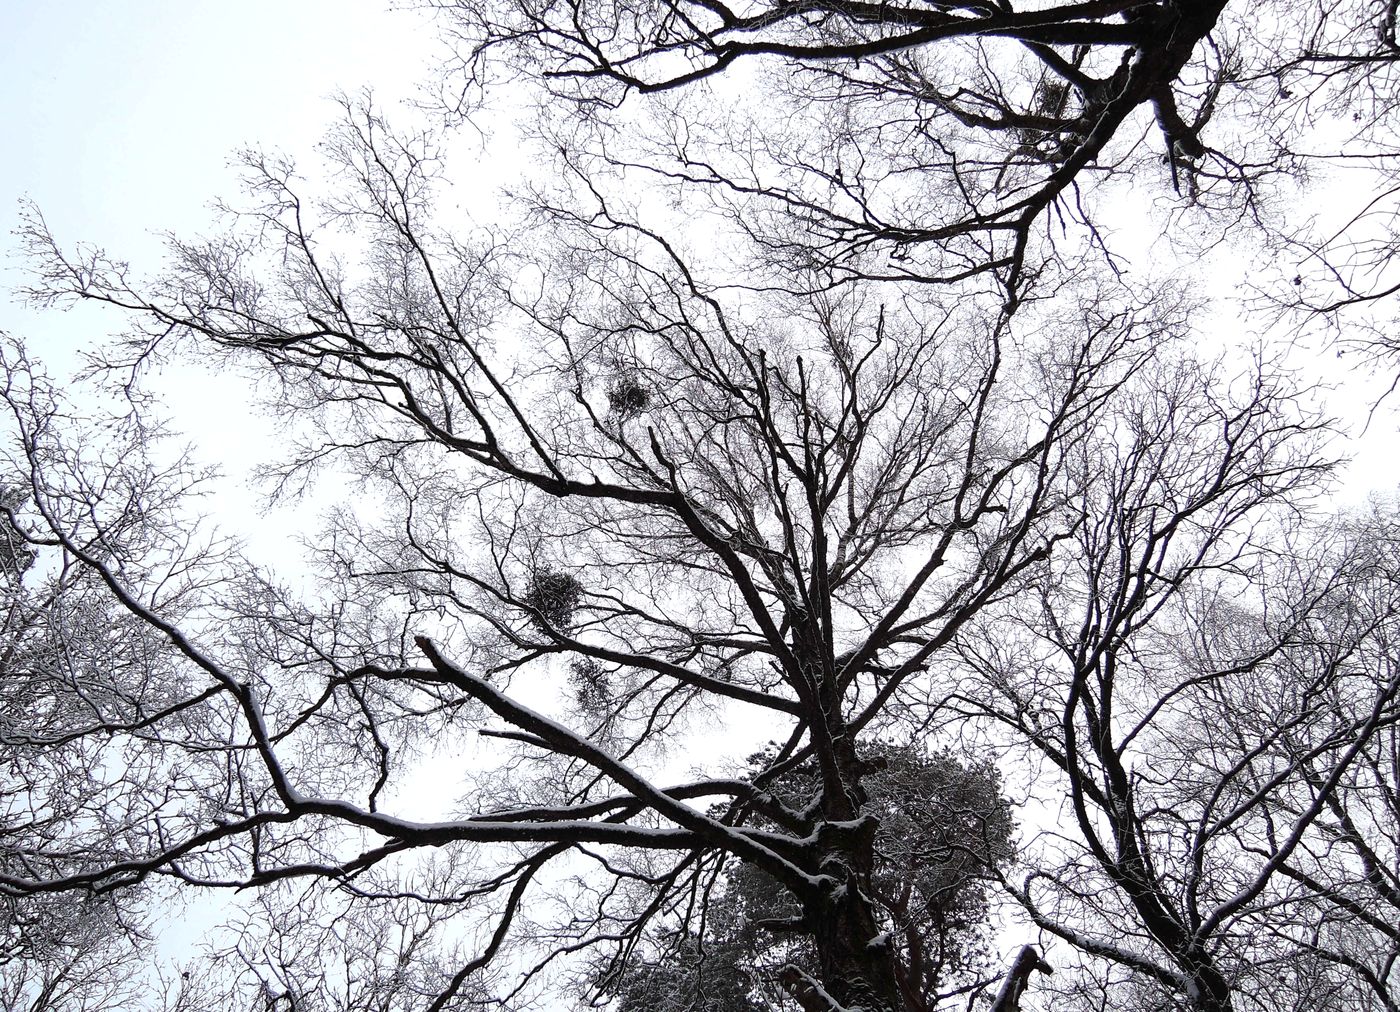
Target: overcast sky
pixel 119 119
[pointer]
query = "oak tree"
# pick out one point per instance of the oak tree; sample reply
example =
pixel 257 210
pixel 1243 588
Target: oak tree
pixel 803 395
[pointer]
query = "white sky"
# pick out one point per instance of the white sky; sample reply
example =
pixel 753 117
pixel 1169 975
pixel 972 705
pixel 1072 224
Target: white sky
pixel 120 120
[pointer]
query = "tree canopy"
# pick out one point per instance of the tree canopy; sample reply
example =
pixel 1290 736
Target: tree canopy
pixel 805 393
pixel 944 835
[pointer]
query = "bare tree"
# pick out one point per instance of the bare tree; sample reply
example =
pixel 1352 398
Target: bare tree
pixel 69 663
pixel 1205 744
pixel 691 505
pixel 960 126
pixel 879 458
pixel 1339 881
pixel 946 141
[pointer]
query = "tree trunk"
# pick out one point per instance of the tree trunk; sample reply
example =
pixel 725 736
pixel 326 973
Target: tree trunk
pixel 1013 985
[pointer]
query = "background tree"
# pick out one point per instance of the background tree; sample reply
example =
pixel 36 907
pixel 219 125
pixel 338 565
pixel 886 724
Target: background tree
pixel 960 126
pixel 68 664
pixel 746 538
pixel 1338 882
pixel 945 833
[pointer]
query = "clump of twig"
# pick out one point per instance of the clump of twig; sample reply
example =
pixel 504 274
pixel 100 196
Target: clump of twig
pixel 627 396
pixel 592 689
pixel 555 596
